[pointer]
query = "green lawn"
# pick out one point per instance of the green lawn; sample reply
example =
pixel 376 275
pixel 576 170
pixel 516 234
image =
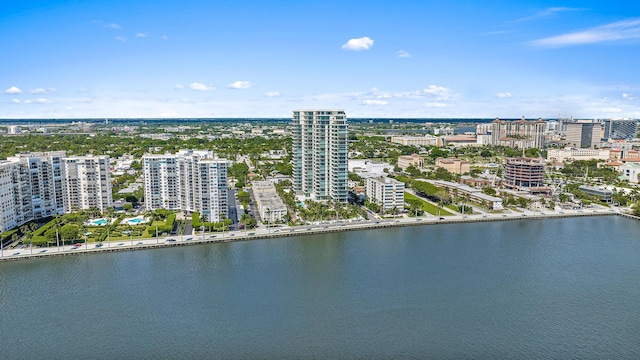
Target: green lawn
pixel 427 206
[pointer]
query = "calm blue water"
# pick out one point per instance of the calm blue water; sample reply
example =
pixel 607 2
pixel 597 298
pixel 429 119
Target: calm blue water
pixel 561 288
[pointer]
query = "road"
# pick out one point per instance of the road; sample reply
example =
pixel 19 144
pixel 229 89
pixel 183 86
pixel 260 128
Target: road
pixel 233 208
pixel 263 231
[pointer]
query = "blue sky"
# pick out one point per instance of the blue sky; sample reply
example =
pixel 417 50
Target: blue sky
pixel 197 58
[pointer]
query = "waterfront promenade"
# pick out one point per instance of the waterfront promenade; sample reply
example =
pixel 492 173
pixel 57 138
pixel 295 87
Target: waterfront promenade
pixel 283 231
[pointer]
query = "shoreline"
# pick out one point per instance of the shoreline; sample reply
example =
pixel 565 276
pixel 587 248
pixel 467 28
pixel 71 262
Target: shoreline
pixel 242 235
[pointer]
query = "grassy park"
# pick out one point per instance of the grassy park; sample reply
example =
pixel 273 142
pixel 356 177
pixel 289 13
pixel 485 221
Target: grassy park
pixel 426 206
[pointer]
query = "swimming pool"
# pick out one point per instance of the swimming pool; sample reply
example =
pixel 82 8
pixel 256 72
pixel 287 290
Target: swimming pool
pixel 135 220
pixel 98 222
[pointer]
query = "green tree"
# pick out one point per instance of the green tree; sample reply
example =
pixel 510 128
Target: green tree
pixel 70 232
pixel 489 191
pixel 239 170
pixel 131 199
pixel 636 209
pixel 436 153
pixel 442 174
pixel 127 207
pixel 136 165
pixel 248 221
pixel 244 197
pixel 413 171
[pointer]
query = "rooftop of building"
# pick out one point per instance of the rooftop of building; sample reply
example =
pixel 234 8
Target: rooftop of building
pixel 523 120
pixel 632 165
pixel 451 160
pixel 385 180
pixel 524 160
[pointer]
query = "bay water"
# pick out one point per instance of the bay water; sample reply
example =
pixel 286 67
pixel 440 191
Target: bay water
pixel 555 288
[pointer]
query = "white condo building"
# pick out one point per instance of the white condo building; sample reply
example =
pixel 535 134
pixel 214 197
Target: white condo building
pixel 191 180
pixel 38 185
pixel 8 216
pixel 386 192
pixel 320 148
pixel 521 133
pixel 87 183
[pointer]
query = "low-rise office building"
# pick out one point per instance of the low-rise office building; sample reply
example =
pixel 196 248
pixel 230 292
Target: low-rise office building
pixel 600 193
pixel 578 154
pixel 386 192
pixel 270 206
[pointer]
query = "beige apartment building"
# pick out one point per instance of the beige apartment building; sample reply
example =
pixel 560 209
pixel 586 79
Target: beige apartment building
pixel 453 165
pixel 405 161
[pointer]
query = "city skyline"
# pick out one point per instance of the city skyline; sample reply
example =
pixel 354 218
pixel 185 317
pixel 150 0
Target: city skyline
pixel 251 59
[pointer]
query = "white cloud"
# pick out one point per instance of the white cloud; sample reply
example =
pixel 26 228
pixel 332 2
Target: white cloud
pixel 503 95
pixel 13 90
pixel 141 34
pixel 38 101
pixel 548 12
pixel 435 105
pixel 432 92
pixel 627 96
pixel 440 92
pixel 240 85
pixel 121 38
pixel 621 30
pixel 179 86
pixel 200 87
pixel 375 102
pixel 611 109
pixel 363 43
pixel 15 101
pixel 165 37
pixel 112 26
pixel 42 91
pixel 403 54
pixel 270 94
pixel 84 100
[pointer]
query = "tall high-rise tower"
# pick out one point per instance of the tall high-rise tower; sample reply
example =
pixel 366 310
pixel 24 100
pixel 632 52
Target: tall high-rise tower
pixel 320 148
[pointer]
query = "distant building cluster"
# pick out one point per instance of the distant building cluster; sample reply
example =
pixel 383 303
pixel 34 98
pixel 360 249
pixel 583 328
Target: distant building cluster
pixel 38 185
pixel 191 181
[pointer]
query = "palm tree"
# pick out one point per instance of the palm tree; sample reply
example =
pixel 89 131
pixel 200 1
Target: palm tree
pixel 14 238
